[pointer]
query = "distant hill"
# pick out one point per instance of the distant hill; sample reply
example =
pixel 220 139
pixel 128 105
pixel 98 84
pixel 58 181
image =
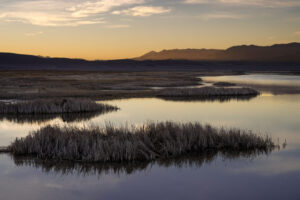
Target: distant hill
pixel 275 53
pixel 240 58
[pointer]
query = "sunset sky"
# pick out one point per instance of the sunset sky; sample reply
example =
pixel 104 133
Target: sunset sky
pixel 113 29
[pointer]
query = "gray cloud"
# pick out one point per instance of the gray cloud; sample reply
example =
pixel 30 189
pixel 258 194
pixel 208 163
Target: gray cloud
pixel 263 3
pixel 60 13
pixel 221 15
pixel 142 11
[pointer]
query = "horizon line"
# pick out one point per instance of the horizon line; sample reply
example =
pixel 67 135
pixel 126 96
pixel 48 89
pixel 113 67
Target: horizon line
pixel 135 58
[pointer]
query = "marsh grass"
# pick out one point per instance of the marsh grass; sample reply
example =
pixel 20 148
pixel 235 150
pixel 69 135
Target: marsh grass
pixel 41 118
pixel 208 92
pixel 4 150
pixel 144 143
pixel 209 98
pixel 224 84
pixel 54 106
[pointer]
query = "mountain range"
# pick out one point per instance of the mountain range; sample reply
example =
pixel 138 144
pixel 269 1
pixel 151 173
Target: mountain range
pixel 278 52
pixel 275 57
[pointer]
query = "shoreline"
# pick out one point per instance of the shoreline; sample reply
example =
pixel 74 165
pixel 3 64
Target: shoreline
pixel 24 85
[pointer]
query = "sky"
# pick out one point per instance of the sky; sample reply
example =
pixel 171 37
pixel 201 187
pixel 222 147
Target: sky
pixel 116 29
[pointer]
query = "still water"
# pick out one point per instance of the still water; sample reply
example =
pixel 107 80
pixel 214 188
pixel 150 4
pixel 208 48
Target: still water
pixel 273 176
pixel 270 79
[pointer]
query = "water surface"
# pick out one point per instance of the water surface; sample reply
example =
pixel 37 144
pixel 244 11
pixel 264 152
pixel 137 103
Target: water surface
pixel 273 176
pixel 263 79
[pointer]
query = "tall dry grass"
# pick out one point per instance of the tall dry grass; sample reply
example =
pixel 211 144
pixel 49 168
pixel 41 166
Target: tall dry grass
pixel 41 118
pixel 209 98
pixel 224 84
pixel 149 142
pixel 53 106
pixel 208 92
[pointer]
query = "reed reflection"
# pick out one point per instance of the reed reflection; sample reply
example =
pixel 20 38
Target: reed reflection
pixel 102 168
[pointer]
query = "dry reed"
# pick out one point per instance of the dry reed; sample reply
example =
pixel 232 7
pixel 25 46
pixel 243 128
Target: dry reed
pixel 149 142
pixel 54 106
pixel 208 92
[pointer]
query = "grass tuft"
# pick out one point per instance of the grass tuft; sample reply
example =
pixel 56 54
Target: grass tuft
pixel 224 84
pixel 42 118
pixel 54 106
pixel 208 92
pixel 145 143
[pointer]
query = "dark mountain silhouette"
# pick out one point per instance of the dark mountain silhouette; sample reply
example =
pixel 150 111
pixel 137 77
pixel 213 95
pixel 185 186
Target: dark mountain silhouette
pixel 276 53
pixel 276 57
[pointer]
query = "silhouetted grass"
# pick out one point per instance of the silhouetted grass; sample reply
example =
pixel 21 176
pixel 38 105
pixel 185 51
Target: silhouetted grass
pixel 4 150
pixel 208 92
pixel 209 98
pixel 224 84
pixel 149 142
pixel 40 118
pixel 53 106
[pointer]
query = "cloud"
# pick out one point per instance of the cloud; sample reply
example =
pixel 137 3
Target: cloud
pixel 34 33
pixel 60 13
pixel 118 26
pixel 142 11
pixel 221 15
pixel 47 19
pixel 87 8
pixel 263 3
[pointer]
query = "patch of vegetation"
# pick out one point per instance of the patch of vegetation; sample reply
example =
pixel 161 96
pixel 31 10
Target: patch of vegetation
pixel 54 106
pixel 97 85
pixel 145 143
pixel 208 92
pixel 224 84
pixel 4 150
pixel 41 118
pixel 209 98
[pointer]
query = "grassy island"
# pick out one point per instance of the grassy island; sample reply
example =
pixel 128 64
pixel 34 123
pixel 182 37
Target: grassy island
pixel 143 143
pixel 208 92
pixel 54 106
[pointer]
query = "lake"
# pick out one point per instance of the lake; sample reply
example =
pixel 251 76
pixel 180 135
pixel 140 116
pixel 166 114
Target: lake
pixel 213 176
pixel 270 79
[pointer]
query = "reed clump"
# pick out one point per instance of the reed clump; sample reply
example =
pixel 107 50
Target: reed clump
pixel 54 106
pixel 144 143
pixel 224 84
pixel 4 150
pixel 41 118
pixel 208 92
pixel 209 98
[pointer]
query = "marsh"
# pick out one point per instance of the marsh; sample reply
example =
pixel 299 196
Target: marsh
pixel 275 174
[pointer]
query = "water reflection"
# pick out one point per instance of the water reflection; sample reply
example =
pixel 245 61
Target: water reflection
pixel 87 169
pixel 213 176
pixel 262 79
pixel 266 83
